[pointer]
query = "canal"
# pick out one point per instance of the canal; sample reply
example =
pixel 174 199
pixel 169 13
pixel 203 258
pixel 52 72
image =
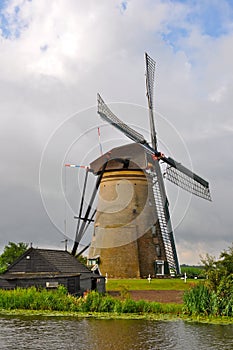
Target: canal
pixel 91 334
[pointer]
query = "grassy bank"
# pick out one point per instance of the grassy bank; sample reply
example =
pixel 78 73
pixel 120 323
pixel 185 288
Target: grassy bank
pixel 60 300
pixel 155 284
pixel 117 316
pixel 58 303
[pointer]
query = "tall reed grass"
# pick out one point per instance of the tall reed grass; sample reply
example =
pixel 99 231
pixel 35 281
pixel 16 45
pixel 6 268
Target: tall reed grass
pixel 60 300
pixel 201 300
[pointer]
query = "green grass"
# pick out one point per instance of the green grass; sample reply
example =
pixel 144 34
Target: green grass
pixel 201 300
pixel 60 300
pixel 60 303
pixel 155 284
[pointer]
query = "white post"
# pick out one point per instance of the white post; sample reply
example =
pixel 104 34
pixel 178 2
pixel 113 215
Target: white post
pixel 185 277
pixel 149 278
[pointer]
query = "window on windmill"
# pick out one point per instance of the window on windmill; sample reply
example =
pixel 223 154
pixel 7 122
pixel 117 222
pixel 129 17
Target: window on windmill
pixel 158 250
pixel 93 261
pixel 159 267
pixel 153 230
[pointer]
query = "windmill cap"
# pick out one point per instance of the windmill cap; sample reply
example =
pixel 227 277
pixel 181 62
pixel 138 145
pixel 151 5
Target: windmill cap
pixel 131 156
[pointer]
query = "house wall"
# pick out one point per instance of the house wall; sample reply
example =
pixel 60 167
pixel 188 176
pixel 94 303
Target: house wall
pixel 92 283
pixel 101 285
pixel 71 283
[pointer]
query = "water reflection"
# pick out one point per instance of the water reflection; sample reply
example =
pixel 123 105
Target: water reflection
pixel 84 334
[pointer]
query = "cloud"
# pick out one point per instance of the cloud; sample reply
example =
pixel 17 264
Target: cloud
pixel 55 56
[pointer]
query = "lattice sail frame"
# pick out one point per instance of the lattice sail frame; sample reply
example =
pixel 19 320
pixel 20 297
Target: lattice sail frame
pixel 187 183
pixel 107 115
pixel 162 210
pixel 176 172
pixel 150 73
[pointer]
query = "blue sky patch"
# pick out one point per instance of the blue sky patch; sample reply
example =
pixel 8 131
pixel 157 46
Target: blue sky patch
pixel 123 6
pixel 44 48
pixel 173 35
pixel 211 17
pixel 10 24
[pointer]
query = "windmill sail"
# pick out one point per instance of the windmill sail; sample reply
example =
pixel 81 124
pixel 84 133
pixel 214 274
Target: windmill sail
pixel 162 209
pixel 161 201
pixel 150 74
pixel 107 115
pixel 186 179
pixel 197 185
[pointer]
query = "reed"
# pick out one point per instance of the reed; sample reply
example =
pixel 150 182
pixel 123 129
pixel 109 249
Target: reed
pixel 60 300
pixel 201 300
pixel 33 299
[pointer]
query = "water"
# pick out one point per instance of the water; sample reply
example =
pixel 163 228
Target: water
pixel 89 334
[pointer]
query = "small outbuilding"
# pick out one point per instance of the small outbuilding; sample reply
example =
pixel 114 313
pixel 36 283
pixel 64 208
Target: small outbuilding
pixel 49 268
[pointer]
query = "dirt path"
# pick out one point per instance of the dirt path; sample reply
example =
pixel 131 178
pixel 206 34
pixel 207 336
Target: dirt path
pixel 161 296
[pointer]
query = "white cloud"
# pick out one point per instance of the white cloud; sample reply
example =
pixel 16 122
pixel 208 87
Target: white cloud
pixel 218 95
pixel 60 53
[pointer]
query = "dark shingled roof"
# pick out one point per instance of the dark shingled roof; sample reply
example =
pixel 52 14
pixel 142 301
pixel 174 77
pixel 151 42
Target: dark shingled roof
pixel 45 261
pixel 63 261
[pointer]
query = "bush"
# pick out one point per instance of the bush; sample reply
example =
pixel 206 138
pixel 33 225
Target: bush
pixel 225 296
pixel 129 306
pixel 201 300
pixel 107 304
pixel 215 297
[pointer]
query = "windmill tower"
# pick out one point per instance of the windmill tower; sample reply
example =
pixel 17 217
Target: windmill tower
pixel 133 235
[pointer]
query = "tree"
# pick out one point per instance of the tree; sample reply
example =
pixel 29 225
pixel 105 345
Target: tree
pixel 215 296
pixel 213 273
pixel 216 270
pixel 82 259
pixel 192 271
pixel 226 260
pixel 11 252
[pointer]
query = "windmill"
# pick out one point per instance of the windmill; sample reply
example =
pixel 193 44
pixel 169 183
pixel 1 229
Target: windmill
pixel 133 234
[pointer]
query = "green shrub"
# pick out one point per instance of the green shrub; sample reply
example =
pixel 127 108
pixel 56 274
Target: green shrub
pixel 198 300
pixel 107 304
pixel 201 300
pixel 117 306
pixel 129 306
pixel 143 306
pixel 225 296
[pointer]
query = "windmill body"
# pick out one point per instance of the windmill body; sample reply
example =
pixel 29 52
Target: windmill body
pixel 127 237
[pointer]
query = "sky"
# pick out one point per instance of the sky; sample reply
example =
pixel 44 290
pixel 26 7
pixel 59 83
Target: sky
pixel 56 55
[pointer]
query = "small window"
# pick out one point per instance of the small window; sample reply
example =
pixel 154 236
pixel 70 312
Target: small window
pixel 158 250
pixel 153 230
pixel 51 284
